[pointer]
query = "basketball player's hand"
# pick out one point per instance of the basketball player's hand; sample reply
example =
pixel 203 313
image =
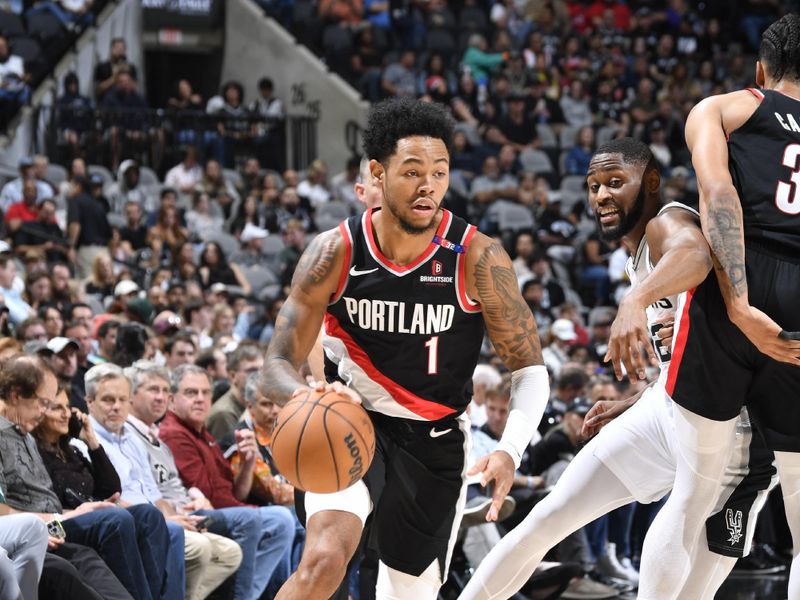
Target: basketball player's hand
pixel 629 333
pixel 601 414
pixel 337 387
pixel 666 331
pixel 497 467
pixel 764 333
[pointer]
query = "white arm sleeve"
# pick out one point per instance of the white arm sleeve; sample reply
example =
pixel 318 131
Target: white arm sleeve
pixel 530 392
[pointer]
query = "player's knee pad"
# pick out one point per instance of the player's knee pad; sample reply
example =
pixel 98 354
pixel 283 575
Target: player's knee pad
pixel 396 585
pixel 354 500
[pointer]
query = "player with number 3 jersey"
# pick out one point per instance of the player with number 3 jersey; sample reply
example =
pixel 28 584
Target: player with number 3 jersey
pixel 736 336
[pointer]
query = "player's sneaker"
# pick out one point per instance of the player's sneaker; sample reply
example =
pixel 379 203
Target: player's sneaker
pixel 628 567
pixel 754 564
pixel 477 508
pixel 610 566
pixel 585 588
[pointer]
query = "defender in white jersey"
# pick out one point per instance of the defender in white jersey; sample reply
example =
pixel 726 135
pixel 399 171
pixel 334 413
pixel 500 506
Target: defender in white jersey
pixel 633 456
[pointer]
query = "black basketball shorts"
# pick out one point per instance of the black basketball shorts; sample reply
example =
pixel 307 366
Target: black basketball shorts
pixel 748 479
pixel 715 369
pixel 417 485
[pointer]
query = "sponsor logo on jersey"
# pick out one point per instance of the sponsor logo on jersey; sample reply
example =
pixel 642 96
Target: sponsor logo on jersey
pixel 734 522
pixel 437 275
pixel 392 316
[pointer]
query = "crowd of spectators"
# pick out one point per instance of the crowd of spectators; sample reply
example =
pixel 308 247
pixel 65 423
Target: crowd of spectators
pixel 151 293
pixel 119 123
pixel 33 36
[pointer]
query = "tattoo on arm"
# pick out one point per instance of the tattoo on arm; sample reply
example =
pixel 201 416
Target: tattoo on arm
pixel 284 356
pixel 281 377
pixel 725 226
pixel 316 263
pixel 509 320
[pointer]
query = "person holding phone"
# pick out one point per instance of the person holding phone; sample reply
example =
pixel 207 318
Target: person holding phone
pixel 76 479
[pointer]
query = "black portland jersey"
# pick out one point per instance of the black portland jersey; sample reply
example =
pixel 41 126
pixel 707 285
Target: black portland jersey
pixel 406 338
pixel 764 161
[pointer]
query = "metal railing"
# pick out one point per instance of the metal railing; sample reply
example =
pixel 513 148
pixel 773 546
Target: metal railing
pixel 279 143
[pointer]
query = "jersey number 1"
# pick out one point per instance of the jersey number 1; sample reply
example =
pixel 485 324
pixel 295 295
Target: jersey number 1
pixel 787 195
pixel 433 355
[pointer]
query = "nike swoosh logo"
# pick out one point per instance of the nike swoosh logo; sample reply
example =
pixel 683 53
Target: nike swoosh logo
pixel 355 272
pixel 435 434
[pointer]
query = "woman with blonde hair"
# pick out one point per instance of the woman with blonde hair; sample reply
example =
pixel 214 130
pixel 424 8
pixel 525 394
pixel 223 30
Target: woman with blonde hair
pixel 101 281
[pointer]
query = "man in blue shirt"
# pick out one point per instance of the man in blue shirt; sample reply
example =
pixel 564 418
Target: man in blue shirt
pixel 208 559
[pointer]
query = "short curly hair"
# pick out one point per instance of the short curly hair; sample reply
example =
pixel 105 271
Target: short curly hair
pixel 392 120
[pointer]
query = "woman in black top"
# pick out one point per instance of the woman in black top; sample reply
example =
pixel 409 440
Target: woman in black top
pixel 215 268
pixel 75 479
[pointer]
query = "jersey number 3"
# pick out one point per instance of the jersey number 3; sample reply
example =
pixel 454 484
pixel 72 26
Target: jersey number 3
pixel 787 195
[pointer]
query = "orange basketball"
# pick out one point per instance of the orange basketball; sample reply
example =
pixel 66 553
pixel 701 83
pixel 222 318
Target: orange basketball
pixel 323 442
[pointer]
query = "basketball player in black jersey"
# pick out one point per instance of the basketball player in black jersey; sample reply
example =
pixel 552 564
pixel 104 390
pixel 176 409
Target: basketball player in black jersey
pixel 405 292
pixel 733 337
pixel 634 456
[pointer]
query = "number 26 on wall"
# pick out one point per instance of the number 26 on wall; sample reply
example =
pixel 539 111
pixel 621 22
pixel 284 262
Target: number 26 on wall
pixel 787 195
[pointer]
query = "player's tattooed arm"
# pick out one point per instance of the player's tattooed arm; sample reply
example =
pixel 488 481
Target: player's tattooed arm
pixel 299 320
pixel 509 321
pixel 707 128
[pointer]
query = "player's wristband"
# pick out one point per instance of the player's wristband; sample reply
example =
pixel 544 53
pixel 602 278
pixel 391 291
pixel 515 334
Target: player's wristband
pixel 530 392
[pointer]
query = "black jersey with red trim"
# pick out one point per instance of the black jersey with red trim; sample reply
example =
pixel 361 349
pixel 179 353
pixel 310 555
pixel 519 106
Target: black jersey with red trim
pixel 406 338
pixel 764 161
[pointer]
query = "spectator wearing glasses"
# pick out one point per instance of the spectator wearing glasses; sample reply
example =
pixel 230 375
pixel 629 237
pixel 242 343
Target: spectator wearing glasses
pixel 109 399
pixel 132 542
pixel 226 412
pixel 201 464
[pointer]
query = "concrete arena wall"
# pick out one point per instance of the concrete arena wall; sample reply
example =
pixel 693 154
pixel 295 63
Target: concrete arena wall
pixel 256 46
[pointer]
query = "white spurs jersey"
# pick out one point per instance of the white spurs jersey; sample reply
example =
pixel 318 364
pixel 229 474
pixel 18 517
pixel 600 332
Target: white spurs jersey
pixel 638 267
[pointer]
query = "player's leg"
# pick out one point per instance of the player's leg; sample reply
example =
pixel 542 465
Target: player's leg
pixel 704 447
pixel 788 464
pixel 586 490
pixel 333 530
pixel 708 571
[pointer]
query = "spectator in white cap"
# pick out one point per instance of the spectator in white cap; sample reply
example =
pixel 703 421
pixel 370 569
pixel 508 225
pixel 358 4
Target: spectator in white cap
pixel 252 239
pixel 561 335
pixel 126 290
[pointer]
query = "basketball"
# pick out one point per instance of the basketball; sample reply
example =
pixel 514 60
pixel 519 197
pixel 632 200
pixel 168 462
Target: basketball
pixel 323 442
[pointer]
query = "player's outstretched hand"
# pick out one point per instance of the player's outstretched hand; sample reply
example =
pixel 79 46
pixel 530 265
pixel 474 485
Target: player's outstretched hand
pixel 767 335
pixel 337 387
pixel 497 467
pixel 629 334
pixel 601 414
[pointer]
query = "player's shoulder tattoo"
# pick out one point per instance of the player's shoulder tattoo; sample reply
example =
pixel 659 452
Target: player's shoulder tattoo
pixel 317 262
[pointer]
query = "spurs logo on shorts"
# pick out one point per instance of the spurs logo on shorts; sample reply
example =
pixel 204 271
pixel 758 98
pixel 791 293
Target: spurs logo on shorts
pixel 734 521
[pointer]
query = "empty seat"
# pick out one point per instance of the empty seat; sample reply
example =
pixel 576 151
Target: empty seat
pixel 148 177
pixel 535 161
pixel 511 216
pixel 56 174
pixel 102 171
pixel 568 135
pixel 232 176
pixel 11 25
pixel 546 135
pixel 45 27
pixel 574 183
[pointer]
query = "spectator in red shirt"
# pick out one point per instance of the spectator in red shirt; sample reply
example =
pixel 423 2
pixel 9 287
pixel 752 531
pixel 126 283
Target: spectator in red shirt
pixel 26 210
pixel 622 14
pixel 201 465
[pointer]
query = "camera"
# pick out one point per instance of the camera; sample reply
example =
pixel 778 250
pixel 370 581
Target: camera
pixel 75 425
